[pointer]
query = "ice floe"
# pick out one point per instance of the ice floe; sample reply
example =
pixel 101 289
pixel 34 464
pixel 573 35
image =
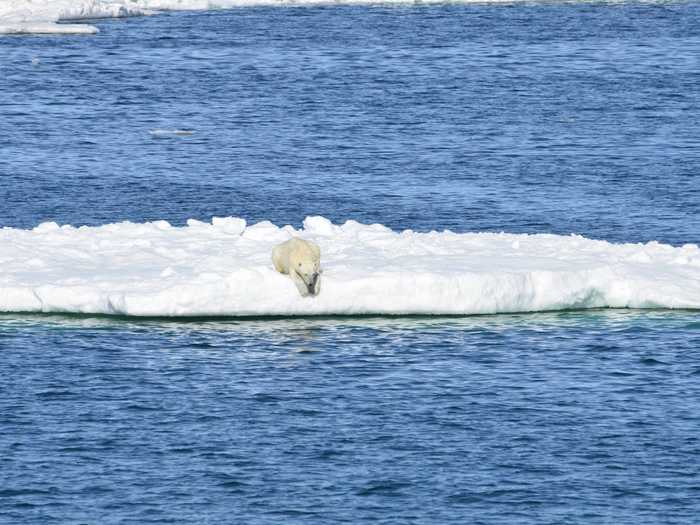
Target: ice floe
pixel 223 268
pixel 59 16
pixel 41 16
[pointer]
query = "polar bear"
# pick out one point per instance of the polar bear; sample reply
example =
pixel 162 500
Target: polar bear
pixel 301 260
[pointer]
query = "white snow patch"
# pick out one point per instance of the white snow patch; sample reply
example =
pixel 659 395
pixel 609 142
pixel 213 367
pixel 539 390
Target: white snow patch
pixel 224 268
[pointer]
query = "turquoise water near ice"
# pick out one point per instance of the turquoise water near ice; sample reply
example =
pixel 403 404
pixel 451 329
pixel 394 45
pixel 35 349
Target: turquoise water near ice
pixel 533 118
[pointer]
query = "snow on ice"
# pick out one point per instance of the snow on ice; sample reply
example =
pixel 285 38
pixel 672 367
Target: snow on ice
pixel 223 268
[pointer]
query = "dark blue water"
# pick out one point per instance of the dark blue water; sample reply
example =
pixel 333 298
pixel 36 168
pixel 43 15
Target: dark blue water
pixel 530 118
pixel 544 418
pixel 549 118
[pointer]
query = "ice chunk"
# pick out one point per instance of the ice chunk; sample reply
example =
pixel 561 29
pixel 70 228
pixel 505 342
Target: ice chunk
pixel 164 133
pixel 231 225
pixel 319 226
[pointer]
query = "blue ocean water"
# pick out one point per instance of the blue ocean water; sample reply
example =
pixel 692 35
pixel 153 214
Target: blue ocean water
pixel 553 118
pixel 538 118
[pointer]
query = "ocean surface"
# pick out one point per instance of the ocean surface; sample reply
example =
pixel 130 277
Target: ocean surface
pixel 531 118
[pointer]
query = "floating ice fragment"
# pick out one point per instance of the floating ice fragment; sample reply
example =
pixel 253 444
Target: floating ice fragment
pixel 171 132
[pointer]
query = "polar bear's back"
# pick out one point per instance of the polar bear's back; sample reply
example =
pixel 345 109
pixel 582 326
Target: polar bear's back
pixel 280 257
pixel 283 253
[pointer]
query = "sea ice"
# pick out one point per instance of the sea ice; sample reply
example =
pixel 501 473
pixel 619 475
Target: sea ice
pixel 42 16
pixel 225 268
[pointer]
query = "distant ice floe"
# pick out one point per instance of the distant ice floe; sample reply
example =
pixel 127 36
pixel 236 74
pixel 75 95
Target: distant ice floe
pixel 164 133
pixel 51 16
pixel 223 268
pixel 41 16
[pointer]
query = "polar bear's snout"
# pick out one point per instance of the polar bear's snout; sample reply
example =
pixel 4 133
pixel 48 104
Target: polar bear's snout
pixel 312 284
pixel 301 260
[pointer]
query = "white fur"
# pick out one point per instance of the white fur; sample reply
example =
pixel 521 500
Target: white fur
pixel 301 260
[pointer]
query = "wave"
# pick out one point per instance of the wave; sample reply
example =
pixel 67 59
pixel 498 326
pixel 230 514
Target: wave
pixel 223 268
